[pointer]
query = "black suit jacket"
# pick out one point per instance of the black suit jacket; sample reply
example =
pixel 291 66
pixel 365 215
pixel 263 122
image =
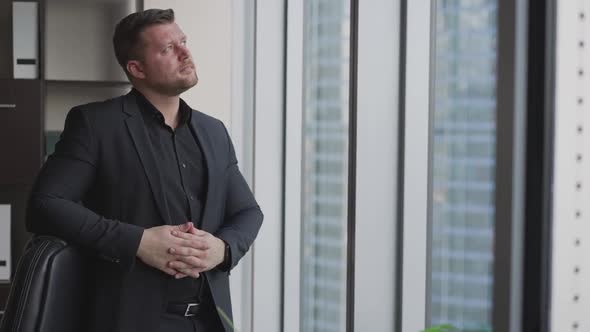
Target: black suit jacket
pixel 102 187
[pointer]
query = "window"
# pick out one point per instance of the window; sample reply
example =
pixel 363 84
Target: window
pixel 324 191
pixel 463 163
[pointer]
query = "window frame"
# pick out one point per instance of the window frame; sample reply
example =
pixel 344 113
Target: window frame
pixel 416 118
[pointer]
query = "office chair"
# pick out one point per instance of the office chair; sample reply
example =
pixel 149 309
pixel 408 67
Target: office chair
pixel 50 289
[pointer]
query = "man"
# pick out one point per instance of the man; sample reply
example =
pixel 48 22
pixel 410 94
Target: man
pixel 153 189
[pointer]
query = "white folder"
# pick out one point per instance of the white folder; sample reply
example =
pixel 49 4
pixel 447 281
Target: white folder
pixel 25 39
pixel 5 217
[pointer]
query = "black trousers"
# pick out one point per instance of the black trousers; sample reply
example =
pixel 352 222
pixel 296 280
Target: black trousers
pixel 176 323
pixel 206 320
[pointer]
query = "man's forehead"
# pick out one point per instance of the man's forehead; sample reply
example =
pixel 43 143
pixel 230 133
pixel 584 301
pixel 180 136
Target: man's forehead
pixel 162 33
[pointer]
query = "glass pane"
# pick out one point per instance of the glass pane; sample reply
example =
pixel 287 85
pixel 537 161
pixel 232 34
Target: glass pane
pixel 325 165
pixel 463 163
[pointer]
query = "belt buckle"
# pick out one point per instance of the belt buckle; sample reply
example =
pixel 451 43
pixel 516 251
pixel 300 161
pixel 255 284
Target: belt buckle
pixel 188 307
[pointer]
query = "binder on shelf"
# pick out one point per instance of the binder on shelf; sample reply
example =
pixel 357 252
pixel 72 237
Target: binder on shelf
pixel 25 38
pixel 5 220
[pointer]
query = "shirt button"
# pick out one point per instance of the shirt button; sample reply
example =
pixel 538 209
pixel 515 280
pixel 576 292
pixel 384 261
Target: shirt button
pixel 183 165
pixel 191 197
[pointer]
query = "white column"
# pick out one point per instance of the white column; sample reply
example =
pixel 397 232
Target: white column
pixel 376 160
pixel 415 164
pixel 268 164
pixel 293 165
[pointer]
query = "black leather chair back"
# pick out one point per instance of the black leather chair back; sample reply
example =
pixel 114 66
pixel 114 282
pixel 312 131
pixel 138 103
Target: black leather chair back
pixel 49 292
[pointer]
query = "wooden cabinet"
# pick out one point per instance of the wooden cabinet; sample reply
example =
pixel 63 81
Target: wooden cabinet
pixel 66 79
pixel 16 196
pixel 21 129
pixel 6 39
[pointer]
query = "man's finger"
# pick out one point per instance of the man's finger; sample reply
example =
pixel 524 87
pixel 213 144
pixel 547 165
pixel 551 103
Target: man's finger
pixel 195 243
pixel 187 250
pixel 182 251
pixel 182 235
pixel 190 243
pixel 179 265
pixel 193 261
pixel 198 232
pixel 169 271
pixel 180 275
pixel 184 227
pixel 190 272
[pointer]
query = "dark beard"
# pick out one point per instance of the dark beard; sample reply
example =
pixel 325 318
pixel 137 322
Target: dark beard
pixel 176 89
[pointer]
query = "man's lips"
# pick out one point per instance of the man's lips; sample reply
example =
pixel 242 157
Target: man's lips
pixel 191 66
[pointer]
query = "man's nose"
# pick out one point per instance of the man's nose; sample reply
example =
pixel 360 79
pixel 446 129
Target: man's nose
pixel 183 52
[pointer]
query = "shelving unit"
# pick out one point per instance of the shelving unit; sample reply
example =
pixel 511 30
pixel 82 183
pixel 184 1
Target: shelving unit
pixel 75 65
pixel 78 40
pixel 80 65
pixel 61 96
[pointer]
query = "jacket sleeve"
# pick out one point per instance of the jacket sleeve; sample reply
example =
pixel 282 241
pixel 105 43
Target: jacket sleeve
pixel 54 206
pixel 243 217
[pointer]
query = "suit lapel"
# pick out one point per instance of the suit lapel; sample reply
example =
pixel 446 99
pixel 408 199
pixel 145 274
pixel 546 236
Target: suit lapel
pixel 206 145
pixel 144 149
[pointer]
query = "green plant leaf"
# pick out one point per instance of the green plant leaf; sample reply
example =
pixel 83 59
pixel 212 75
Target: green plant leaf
pixel 441 328
pixel 226 318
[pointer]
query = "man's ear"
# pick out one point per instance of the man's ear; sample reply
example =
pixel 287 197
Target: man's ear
pixel 135 69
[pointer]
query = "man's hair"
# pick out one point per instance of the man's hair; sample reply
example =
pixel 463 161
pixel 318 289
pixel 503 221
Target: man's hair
pixel 126 40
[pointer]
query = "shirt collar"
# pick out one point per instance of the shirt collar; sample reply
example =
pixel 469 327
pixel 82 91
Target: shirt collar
pixel 146 106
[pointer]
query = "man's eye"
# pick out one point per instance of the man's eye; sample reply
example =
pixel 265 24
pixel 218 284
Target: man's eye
pixel 183 42
pixel 168 48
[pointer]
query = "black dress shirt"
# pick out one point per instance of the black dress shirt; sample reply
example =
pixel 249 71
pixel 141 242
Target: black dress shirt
pixel 184 177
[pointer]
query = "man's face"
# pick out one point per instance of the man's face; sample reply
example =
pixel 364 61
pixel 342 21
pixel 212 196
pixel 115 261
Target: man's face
pixel 166 63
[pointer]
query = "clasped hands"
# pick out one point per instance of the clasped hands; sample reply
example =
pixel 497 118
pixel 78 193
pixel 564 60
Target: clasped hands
pixel 180 251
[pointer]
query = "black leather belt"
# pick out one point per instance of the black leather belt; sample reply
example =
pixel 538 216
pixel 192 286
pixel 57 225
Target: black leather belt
pixel 184 309
pixel 192 308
